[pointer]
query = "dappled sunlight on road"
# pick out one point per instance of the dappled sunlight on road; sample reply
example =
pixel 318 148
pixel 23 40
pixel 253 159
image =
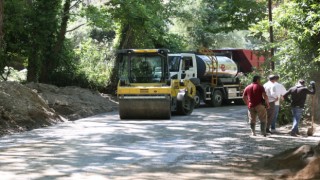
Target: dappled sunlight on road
pixel 212 143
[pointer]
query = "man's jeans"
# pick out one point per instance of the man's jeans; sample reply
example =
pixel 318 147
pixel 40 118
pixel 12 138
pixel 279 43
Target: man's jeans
pixel 276 113
pixel 296 113
pixel 270 113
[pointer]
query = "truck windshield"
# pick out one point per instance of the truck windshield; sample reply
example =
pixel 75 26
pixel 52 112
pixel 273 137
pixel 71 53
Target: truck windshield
pixel 174 63
pixel 142 68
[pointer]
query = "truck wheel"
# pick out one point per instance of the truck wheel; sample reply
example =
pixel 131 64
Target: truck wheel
pixel 197 99
pixel 216 99
pixel 186 106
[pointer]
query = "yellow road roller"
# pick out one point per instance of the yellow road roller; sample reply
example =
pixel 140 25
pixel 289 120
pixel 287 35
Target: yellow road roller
pixel 145 90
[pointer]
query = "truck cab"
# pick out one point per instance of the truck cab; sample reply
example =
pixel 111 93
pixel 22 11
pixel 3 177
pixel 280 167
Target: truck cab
pixel 182 66
pixel 214 77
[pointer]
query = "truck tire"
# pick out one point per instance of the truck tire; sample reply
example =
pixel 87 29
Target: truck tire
pixel 216 99
pixel 197 99
pixel 185 106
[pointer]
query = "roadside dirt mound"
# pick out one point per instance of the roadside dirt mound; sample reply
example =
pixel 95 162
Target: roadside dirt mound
pixel 22 109
pixel 297 163
pixel 74 102
pixel 26 107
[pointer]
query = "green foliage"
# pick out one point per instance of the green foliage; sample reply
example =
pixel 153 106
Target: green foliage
pixel 30 32
pixel 16 38
pixel 285 115
pixel 77 72
pixel 142 24
pixel 225 16
pixel 172 42
pixel 301 45
pixel 296 27
pixel 247 78
pixel 98 17
pixel 297 36
pixel 95 62
pixel 209 20
pixel 102 36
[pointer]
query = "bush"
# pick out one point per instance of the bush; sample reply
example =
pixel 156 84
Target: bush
pixel 285 115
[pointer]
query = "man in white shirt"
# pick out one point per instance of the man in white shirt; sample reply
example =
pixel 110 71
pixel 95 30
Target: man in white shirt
pixel 272 96
pixel 280 90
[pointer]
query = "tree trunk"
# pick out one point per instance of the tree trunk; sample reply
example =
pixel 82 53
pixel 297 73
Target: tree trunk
pixel 317 98
pixel 126 37
pixel 125 43
pixel 51 64
pixel 1 25
pixel 33 59
pixel 63 28
pixel 33 66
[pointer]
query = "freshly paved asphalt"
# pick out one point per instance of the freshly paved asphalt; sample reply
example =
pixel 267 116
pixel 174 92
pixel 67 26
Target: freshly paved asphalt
pixel 212 143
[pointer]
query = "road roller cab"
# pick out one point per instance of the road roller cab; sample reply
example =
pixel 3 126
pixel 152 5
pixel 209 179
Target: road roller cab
pixel 145 89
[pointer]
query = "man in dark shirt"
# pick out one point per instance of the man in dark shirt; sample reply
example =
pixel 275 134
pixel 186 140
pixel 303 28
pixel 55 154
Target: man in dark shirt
pixel 298 95
pixel 253 96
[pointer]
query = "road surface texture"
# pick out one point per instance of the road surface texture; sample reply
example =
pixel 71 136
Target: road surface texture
pixel 212 143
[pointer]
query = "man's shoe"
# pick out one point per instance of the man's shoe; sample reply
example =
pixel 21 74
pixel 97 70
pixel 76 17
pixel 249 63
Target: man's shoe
pixel 274 131
pixel 293 134
pixel 298 133
pixel 268 131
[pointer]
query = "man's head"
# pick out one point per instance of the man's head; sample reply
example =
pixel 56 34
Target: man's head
pixel 256 79
pixel 272 77
pixel 301 82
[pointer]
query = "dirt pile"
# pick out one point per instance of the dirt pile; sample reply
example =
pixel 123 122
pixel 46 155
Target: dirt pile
pixel 74 102
pixel 297 163
pixel 26 107
pixel 23 109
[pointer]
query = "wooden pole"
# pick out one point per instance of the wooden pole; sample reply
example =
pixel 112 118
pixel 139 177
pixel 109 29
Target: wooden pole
pixel 271 32
pixel 1 23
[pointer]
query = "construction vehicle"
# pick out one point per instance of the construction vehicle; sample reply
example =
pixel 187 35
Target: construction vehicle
pixel 145 90
pixel 245 59
pixel 215 77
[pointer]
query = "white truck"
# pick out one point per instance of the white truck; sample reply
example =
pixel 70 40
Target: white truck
pixel 215 77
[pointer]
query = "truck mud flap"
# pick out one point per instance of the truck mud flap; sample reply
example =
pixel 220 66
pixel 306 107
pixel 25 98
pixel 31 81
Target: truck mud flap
pixel 145 107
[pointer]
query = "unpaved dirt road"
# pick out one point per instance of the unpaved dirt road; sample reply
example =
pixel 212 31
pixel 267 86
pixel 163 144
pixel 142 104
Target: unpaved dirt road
pixel 212 143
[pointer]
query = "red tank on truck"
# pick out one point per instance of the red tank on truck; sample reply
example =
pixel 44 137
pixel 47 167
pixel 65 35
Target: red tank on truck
pixel 215 73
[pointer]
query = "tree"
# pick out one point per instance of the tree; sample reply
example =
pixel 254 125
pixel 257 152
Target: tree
pixel 14 41
pixel 297 40
pixel 52 60
pixel 209 19
pixel 1 24
pixel 1 36
pixel 142 24
pixel 300 51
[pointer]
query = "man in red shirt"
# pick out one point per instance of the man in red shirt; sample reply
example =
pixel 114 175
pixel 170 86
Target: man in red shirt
pixel 253 96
